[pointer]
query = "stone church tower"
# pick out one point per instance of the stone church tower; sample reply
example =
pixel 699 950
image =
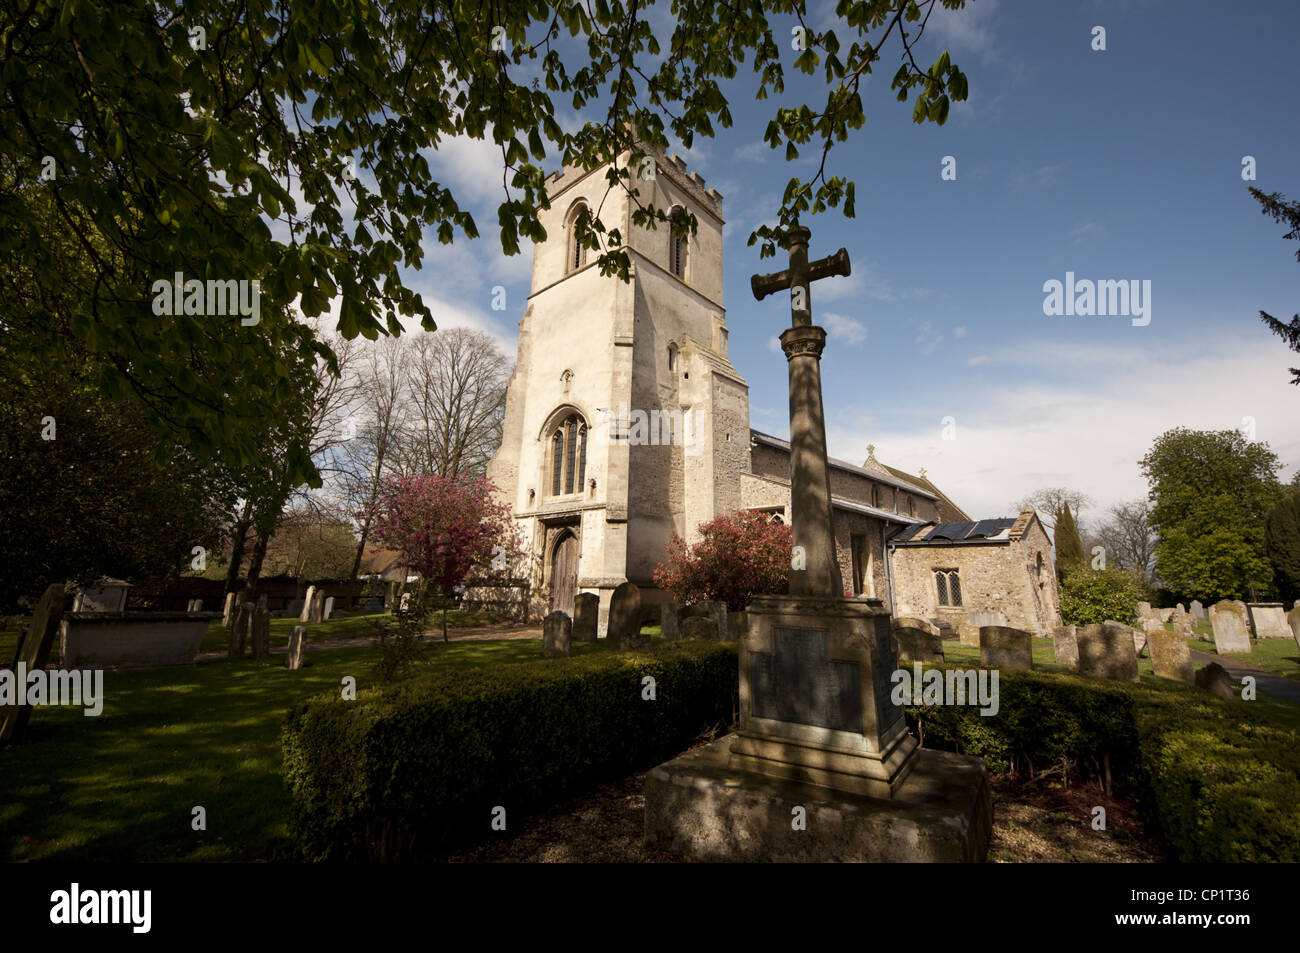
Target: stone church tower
pixel 625 421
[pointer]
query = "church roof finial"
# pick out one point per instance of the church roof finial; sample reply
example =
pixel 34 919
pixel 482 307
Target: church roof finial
pixel 871 453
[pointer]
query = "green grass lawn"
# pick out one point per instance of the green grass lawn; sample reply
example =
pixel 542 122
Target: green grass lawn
pixel 121 786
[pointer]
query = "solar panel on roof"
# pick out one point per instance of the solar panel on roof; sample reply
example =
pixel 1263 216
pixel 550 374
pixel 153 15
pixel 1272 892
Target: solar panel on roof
pixel 986 528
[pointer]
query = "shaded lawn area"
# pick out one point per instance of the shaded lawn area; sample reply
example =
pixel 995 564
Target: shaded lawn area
pixel 121 786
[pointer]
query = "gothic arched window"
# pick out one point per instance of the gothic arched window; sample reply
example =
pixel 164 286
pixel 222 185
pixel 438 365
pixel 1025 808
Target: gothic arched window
pixel 677 243
pixel 575 255
pixel 948 584
pixel 568 452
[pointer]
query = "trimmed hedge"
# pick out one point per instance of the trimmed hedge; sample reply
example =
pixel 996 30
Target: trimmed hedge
pixel 408 770
pixel 1213 781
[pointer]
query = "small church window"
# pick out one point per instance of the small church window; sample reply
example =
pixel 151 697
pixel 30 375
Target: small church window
pixel 677 244
pixel 568 456
pixel 948 584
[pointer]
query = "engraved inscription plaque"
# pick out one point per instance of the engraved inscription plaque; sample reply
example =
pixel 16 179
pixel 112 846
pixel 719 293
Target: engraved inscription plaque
pixel 798 683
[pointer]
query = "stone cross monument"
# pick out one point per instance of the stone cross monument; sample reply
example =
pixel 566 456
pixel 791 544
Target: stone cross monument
pixel 815 570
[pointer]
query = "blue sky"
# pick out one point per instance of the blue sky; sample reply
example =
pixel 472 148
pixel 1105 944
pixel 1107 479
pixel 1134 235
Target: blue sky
pixel 1116 164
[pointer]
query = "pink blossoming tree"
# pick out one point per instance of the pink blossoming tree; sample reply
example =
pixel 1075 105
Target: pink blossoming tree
pixel 445 527
pixel 738 558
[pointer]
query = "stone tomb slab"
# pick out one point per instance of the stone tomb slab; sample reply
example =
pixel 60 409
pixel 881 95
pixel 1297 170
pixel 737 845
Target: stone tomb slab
pixel 1231 624
pixel 1003 647
pixel 707 806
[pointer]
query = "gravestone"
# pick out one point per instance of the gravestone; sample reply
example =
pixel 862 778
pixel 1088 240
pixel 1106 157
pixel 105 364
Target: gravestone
pixel 1293 620
pixel 912 622
pixel 261 602
pixel 328 611
pixel 1065 644
pixel 297 648
pixel 586 615
pixel 1139 636
pixel 1107 653
pixel 308 601
pixel 668 619
pixel 918 645
pixel 969 631
pixel 260 633
pixel 239 627
pixel 108 595
pixel 1003 647
pixel 625 618
pixel 318 606
pixel 32 653
pixel 228 612
pixel 1231 626
pixel 718 613
pixel 1180 607
pixel 557 630
pixel 1197 609
pixel 699 627
pixel 1169 655
pixel 1269 620
pixel 1214 678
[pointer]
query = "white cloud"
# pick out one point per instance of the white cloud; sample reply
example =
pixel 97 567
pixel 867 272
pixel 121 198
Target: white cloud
pixel 970 28
pixel 978 359
pixel 928 338
pixel 850 331
pixel 959 332
pixel 1088 429
pixel 754 152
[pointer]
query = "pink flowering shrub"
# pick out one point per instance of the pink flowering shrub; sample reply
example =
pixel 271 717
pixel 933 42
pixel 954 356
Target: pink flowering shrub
pixel 740 557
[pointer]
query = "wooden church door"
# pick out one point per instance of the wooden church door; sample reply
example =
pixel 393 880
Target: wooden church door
pixel 564 574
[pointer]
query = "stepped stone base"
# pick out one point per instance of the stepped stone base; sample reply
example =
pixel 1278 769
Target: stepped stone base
pixel 709 805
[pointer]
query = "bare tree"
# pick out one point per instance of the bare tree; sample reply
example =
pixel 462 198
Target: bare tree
pixel 1051 501
pixel 1128 538
pixel 383 409
pixel 457 380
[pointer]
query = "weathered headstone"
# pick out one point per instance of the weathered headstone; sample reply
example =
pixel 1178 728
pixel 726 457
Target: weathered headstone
pixel 668 619
pixel 586 615
pixel 1169 654
pixel 308 601
pixel 261 602
pixel 912 622
pixel 328 611
pixel 918 645
pixel 297 647
pixel 1293 620
pixel 625 618
pixel 228 611
pixel 699 627
pixel 1107 653
pixel 1231 626
pixel 557 631
pixel 1145 611
pixel 1065 644
pixel 1139 636
pixel 1164 615
pixel 718 613
pixel 1180 607
pixel 1003 647
pixel 969 631
pixel 1269 620
pixel 108 595
pixel 1214 678
pixel 33 652
pixel 1197 609
pixel 260 633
